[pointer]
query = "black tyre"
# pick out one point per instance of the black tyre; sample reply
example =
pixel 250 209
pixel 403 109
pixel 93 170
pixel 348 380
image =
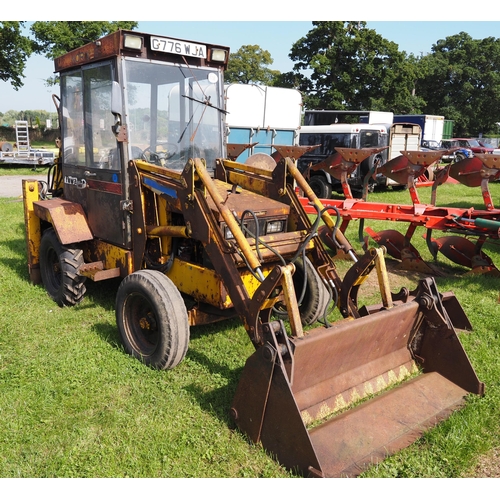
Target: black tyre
pixel 59 270
pixel 321 187
pixel 152 319
pixel 316 295
pixel 459 157
pixel 371 164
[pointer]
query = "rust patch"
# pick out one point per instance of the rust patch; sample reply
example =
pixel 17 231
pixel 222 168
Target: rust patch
pixel 68 219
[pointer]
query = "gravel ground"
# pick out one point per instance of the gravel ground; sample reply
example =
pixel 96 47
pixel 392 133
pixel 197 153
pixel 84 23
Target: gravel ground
pixel 487 466
pixel 11 185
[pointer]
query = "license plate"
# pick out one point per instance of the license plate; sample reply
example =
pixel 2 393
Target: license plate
pixel 178 47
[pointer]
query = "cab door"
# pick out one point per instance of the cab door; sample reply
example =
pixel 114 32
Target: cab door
pixel 91 163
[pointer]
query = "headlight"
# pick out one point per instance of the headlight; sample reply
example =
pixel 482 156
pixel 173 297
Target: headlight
pixel 219 55
pixel 133 42
pixel 275 226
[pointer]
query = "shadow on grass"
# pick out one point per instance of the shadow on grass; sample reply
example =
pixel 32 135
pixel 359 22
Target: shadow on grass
pixel 218 401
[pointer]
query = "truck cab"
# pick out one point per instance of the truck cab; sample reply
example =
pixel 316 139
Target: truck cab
pixel 341 135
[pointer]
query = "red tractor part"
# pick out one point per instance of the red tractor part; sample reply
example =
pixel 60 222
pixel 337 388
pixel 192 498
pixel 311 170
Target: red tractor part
pixel 409 167
pixel 471 223
pixel 482 224
pixel 343 163
pixel 478 171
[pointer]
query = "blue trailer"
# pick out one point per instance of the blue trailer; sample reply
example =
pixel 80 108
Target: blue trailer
pixel 264 115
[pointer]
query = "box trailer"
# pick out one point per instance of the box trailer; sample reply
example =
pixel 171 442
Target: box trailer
pixel 262 115
pixel 432 125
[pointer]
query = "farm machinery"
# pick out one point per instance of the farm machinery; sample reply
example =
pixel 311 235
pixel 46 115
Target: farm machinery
pixel 409 169
pixel 144 191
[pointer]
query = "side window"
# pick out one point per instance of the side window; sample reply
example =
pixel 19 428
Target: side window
pixel 72 118
pixel 100 142
pixel 88 140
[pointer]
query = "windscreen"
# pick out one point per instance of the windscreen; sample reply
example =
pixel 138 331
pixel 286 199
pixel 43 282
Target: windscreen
pixel 327 142
pixel 174 113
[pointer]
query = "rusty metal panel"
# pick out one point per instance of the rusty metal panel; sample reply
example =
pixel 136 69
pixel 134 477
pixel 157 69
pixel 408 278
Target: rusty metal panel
pixel 352 359
pixel 351 442
pixel 105 216
pixel 199 282
pixel 105 47
pixel 68 219
pixel 240 200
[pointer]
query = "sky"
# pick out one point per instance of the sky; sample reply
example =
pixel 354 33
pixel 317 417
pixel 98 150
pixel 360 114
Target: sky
pixel 277 37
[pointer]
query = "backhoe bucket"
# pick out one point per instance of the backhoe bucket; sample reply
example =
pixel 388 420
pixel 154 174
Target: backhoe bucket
pixel 338 399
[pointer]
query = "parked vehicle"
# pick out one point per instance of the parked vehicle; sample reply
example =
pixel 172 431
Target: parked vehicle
pixel 486 145
pixel 473 144
pixel 453 151
pixel 432 125
pixel 262 116
pixel 394 138
pixel 196 238
pixel 338 135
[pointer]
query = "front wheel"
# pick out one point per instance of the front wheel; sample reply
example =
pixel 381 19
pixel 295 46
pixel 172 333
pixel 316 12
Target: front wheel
pixel 59 270
pixel 315 298
pixel 152 319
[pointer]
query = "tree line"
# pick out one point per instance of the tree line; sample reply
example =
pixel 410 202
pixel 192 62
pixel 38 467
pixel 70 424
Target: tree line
pixel 337 65
pixel 36 118
pixel 346 66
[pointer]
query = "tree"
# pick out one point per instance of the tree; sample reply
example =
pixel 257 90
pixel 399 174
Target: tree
pixel 14 51
pixel 249 65
pixel 55 38
pixel 353 67
pixel 462 82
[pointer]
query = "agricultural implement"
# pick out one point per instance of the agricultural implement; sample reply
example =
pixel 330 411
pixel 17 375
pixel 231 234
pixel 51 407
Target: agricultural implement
pixel 409 169
pixel 195 237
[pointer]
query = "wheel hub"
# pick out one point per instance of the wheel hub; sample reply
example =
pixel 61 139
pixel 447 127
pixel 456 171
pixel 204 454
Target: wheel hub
pixel 147 322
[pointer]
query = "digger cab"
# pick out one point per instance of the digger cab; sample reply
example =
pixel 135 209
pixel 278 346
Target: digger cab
pixel 135 96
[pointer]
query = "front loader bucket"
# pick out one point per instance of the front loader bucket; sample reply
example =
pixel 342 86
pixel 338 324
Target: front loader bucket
pixel 347 396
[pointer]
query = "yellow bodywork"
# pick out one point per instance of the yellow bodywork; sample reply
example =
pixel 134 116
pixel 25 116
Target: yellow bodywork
pixel 204 285
pixel 33 230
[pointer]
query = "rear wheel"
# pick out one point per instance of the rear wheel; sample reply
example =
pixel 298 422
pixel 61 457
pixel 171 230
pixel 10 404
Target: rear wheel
pixel 152 319
pixel 320 186
pixel 59 270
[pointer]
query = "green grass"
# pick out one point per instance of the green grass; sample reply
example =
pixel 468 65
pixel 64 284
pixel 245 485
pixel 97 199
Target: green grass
pixel 73 404
pixel 23 170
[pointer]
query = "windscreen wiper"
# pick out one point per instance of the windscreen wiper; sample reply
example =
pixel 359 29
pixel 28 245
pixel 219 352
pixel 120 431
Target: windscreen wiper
pixel 206 102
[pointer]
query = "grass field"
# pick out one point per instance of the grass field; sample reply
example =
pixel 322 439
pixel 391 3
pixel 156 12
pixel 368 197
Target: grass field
pixel 73 404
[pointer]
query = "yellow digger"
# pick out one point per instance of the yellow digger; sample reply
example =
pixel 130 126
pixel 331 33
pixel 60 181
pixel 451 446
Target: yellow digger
pixel 144 190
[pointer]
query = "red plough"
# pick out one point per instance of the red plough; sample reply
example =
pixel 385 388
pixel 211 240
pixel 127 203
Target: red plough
pixel 480 225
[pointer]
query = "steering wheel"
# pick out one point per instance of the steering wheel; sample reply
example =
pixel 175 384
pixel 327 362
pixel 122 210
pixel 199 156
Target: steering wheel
pixel 159 157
